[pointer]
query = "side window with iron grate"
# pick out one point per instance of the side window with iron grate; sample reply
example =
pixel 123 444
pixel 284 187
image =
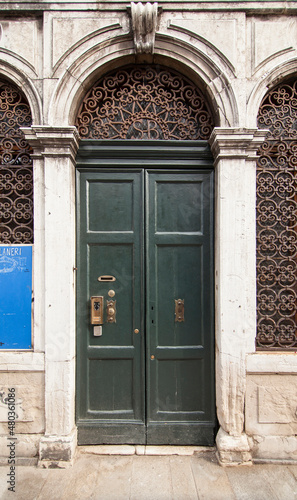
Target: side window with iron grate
pixel 16 173
pixel 277 221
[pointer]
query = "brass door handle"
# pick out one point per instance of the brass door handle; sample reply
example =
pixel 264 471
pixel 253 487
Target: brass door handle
pixel 179 310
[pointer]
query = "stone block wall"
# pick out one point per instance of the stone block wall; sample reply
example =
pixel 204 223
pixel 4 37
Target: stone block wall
pixel 28 388
pixel 271 406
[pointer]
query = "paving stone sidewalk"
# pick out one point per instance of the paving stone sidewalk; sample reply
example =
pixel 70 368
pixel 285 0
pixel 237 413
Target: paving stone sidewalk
pixel 135 477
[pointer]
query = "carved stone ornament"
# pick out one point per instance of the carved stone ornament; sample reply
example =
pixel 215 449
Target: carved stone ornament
pixel 144 25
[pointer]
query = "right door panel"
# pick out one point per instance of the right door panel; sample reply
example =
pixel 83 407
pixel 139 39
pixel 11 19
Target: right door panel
pixel 180 364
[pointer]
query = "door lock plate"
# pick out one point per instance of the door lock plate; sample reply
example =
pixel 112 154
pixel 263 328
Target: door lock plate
pixel 96 310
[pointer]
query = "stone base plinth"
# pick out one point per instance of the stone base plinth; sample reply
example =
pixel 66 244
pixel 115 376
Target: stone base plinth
pixel 233 450
pixel 54 451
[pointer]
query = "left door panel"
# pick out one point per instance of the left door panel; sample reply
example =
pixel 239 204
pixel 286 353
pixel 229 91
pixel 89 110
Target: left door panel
pixel 110 401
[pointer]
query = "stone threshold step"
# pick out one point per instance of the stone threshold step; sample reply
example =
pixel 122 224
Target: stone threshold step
pixel 144 450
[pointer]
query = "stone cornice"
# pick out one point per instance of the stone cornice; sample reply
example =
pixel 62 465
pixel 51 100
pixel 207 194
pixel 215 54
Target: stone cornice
pixel 249 6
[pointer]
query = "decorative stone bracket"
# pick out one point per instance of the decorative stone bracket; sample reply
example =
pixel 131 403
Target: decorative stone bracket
pixel 144 24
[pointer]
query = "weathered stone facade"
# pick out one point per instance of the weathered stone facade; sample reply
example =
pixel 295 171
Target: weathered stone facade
pixel 234 52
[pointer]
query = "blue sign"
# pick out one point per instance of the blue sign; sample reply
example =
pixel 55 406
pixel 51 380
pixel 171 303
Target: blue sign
pixel 15 296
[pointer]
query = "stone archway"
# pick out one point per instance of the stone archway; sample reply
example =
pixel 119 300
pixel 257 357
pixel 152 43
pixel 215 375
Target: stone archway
pixel 126 122
pixel 234 153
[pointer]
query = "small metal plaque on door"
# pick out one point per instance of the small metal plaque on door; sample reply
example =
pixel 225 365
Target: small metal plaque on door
pixel 179 310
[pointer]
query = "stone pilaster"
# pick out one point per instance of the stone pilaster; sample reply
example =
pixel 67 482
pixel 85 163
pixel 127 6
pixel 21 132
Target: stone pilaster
pixel 234 152
pixel 54 156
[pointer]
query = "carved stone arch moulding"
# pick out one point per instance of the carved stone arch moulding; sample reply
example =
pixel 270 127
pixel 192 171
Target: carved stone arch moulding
pixel 277 220
pixel 16 173
pixel 144 102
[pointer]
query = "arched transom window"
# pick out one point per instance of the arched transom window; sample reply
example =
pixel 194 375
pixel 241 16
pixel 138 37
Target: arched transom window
pixel 144 102
pixel 16 175
pixel 277 220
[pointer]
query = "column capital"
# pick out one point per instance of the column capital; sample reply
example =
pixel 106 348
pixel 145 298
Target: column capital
pixel 236 143
pixel 52 141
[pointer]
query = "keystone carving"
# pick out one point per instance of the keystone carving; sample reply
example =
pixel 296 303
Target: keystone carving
pixel 144 25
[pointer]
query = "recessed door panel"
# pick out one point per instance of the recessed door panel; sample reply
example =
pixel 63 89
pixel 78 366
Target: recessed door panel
pixel 145 374
pixel 179 206
pixel 112 386
pixel 110 205
pixel 178 276
pixel 176 397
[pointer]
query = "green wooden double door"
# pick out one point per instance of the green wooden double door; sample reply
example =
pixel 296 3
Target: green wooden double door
pixel 145 244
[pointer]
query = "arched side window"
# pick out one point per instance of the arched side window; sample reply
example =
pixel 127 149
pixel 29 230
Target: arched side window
pixel 16 174
pixel 144 102
pixel 277 221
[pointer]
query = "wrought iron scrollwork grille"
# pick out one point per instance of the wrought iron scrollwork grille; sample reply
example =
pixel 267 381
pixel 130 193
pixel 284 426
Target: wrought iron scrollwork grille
pixel 146 102
pixel 16 173
pixel 277 221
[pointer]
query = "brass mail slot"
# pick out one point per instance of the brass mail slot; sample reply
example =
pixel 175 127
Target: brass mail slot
pixel 106 277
